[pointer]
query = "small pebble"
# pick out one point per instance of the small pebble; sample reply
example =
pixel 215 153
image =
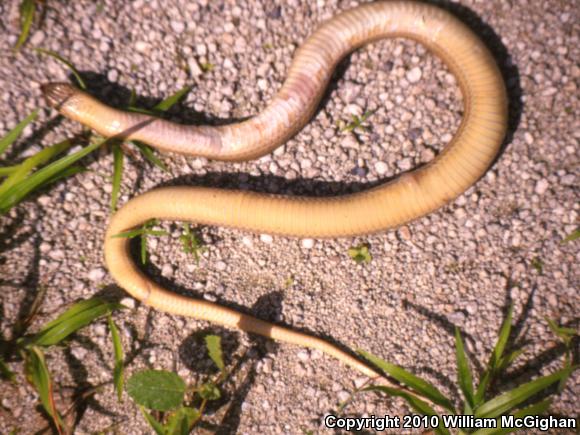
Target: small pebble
pixel 541 186
pixel 266 238
pixel 96 275
pixel 307 243
pixel 414 74
pixel 167 270
pixel 381 168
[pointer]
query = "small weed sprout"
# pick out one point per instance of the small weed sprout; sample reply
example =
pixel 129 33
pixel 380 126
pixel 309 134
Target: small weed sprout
pixel 360 254
pixel 358 122
pixel 192 243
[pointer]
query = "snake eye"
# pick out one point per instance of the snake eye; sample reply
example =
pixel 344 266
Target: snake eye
pixel 57 94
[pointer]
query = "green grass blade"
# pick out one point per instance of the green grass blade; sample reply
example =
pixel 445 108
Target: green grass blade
pixel 67 63
pixel 129 234
pixel 18 192
pixel 65 173
pixel 39 376
pixel 574 235
pixel 417 384
pixel 495 358
pixel 504 334
pixel 13 134
pixel 214 348
pixel 79 315
pixel 509 400
pixel 170 101
pixel 118 157
pixel 27 9
pixel 24 168
pixel 143 248
pixel 156 233
pixel 464 378
pixel 118 378
pixel 417 404
pixel 150 156
pixel 535 409
pixel 5 171
pixel 157 427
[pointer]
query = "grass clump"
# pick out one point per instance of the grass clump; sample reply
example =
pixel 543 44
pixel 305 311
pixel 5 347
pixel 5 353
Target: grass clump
pixel 423 397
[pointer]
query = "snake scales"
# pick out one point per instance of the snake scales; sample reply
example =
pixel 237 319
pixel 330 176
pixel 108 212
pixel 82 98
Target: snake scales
pixel 408 197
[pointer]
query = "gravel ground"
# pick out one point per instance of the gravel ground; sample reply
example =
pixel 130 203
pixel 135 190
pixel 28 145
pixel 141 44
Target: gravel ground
pixel 462 265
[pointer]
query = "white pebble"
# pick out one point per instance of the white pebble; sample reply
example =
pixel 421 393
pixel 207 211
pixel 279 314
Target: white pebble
pixel 141 46
pixel 414 74
pixel 266 238
pixel 96 275
pixel 247 241
pixel 167 270
pixel 177 26
pixel 381 168
pixel 128 302
pixel 541 186
pixel 405 164
pixel 221 266
pixel 303 355
pixel 307 243
pixel 37 38
pixel 113 75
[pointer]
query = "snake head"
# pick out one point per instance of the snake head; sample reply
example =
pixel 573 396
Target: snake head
pixel 57 94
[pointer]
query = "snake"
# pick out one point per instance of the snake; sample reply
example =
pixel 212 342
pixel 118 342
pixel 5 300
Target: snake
pixel 409 196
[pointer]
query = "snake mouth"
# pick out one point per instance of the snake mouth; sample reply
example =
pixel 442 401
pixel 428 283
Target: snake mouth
pixel 57 94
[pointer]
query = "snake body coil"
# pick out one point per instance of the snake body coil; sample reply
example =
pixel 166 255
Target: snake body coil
pixel 411 195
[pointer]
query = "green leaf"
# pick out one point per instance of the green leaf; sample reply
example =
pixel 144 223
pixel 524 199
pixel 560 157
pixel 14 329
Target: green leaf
pixel 157 427
pixel 181 421
pixel 574 235
pixel 5 372
pixel 495 358
pixel 39 376
pixel 18 192
pixel 13 134
pixel 509 400
pixel 360 254
pixel 117 174
pixel 417 384
pixel 535 409
pixel 170 101
pixel 156 389
pixel 27 9
pixel 150 156
pixel 214 348
pixel 417 404
pixel 67 63
pixel 209 391
pixel 79 315
pixel 118 379
pixel 24 168
pixel 463 371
